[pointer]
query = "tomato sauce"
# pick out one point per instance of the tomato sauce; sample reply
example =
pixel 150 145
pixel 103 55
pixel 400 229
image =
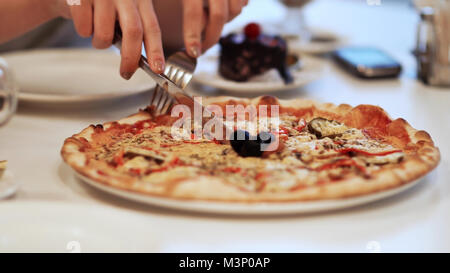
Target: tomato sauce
pixel 354 150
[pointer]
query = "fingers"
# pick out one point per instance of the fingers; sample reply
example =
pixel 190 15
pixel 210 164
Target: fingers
pixel 152 36
pixel 104 22
pixel 218 16
pixel 132 30
pixel 82 16
pixel 192 26
pixel 236 8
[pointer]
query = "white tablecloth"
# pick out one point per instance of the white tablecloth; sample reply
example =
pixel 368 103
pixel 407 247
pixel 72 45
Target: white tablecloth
pixel 417 220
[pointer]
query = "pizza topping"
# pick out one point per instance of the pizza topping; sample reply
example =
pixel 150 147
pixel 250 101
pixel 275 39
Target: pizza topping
pixel 147 152
pixel 326 128
pixel 245 145
pixel 283 131
pixel 308 154
pixel 118 158
pixel 386 159
pixel 174 162
pixel 100 172
pixel 261 175
pixel 232 170
pixel 351 134
pixel 139 162
pixel 238 140
pixel 136 171
pixel 251 148
pixel 342 162
pixel 301 125
pixel 306 158
pixel 358 151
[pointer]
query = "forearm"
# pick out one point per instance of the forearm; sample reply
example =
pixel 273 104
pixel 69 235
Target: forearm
pixel 19 16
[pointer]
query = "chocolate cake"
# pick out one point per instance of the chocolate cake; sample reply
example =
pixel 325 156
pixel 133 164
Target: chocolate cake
pixel 252 53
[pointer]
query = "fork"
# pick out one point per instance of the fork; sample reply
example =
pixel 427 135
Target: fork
pixel 179 69
pixel 170 85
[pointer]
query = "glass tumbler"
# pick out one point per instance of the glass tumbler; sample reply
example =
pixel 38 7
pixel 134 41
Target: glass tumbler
pixel 294 26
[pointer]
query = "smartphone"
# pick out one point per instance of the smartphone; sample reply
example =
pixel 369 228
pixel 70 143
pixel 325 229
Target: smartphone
pixel 367 62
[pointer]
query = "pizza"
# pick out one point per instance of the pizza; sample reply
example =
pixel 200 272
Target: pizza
pixel 326 151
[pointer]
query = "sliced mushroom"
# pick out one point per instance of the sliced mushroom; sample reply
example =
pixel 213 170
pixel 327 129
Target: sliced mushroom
pixel 145 153
pixel 322 127
pixel 140 163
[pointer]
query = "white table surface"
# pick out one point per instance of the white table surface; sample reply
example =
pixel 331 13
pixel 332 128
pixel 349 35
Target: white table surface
pixel 417 220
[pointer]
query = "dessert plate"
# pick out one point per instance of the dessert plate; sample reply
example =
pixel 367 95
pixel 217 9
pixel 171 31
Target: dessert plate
pixel 242 208
pixel 207 74
pixel 67 76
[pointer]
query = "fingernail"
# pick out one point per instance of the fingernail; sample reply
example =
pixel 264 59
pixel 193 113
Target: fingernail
pixel 127 75
pixel 159 65
pixel 195 51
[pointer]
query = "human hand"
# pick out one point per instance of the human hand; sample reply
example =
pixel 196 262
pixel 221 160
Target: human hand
pixel 139 24
pixel 197 21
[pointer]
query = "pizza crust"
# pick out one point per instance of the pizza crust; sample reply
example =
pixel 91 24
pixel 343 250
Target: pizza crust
pixel 398 131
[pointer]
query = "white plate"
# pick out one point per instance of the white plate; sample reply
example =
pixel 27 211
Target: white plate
pixel 237 208
pixel 72 76
pixel 207 74
pixel 64 227
pixel 332 43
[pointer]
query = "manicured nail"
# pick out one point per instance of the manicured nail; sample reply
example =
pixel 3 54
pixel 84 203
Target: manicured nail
pixel 159 65
pixel 127 75
pixel 195 51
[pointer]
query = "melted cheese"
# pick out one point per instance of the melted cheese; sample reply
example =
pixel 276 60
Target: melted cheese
pixel 385 159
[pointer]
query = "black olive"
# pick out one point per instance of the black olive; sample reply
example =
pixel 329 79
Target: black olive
pixel 246 146
pixel 238 139
pixel 251 148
